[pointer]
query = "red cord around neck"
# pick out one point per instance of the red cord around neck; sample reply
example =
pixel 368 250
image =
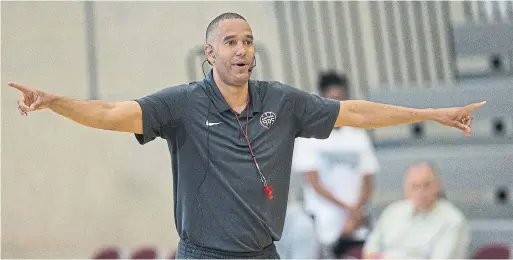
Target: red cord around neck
pixel 267 189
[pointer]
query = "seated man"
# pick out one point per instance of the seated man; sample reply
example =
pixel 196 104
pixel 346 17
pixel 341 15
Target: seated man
pixel 422 226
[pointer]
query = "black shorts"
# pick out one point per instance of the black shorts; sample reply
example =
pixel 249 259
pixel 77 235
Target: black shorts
pixel 343 245
pixel 190 251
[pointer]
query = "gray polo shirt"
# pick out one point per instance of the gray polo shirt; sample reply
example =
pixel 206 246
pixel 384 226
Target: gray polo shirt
pixel 219 201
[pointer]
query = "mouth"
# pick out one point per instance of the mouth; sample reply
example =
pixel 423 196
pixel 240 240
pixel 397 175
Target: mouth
pixel 241 65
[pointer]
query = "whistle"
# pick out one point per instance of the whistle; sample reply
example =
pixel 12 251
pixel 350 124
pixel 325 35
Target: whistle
pixel 269 191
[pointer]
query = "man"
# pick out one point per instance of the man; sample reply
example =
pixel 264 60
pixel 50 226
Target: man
pixel 231 141
pixel 339 173
pixel 424 226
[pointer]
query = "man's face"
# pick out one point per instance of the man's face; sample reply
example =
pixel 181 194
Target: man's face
pixel 421 187
pixel 234 50
pixel 335 92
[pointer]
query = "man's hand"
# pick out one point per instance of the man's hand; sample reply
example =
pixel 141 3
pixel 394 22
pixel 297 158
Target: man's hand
pixel 355 213
pixel 31 99
pixel 369 115
pixel 123 116
pixel 459 117
pixel 354 219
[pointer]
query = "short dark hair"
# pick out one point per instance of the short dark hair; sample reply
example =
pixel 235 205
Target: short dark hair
pixel 214 23
pixel 332 79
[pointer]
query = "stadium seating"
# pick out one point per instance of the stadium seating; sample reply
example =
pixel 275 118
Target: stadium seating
pixel 493 251
pixel 147 252
pixel 108 253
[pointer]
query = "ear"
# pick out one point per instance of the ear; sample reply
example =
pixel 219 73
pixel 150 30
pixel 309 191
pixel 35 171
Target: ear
pixel 209 52
pixel 406 191
pixel 439 186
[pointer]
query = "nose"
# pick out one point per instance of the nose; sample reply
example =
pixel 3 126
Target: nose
pixel 241 49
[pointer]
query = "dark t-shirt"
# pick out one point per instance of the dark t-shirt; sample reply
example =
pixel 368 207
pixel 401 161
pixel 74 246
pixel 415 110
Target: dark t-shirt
pixel 219 200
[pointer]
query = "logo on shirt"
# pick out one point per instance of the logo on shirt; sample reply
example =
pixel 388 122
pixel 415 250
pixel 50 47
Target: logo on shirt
pixel 211 124
pixel 267 119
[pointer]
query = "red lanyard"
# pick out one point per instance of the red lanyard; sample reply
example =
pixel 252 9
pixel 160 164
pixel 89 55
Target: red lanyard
pixel 267 189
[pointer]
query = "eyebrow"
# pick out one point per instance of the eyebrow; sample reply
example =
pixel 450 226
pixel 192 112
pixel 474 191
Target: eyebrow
pixel 229 37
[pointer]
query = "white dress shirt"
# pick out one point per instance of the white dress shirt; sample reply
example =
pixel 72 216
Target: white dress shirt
pixel 400 233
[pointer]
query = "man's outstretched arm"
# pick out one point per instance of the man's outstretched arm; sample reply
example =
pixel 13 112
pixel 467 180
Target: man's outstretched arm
pixel 367 114
pixel 116 116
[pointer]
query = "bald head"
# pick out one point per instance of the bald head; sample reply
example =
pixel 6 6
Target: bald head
pixel 214 24
pixel 422 186
pixel 420 170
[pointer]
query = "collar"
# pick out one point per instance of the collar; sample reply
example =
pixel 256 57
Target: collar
pixel 424 214
pixel 220 103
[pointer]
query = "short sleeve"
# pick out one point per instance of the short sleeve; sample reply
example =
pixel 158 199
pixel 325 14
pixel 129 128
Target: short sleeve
pixel 161 110
pixel 369 162
pixel 304 158
pixel 315 116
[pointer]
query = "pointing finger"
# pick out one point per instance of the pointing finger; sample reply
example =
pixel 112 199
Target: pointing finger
pixel 19 87
pixel 474 106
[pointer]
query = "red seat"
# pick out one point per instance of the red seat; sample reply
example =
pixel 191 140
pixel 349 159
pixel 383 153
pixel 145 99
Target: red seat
pixel 107 253
pixel 354 253
pixel 145 253
pixel 494 251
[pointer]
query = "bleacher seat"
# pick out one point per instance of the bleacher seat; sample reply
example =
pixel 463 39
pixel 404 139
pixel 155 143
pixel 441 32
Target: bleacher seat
pixel 354 253
pixel 493 251
pixel 472 175
pixel 145 253
pixel 108 253
pixel 493 42
pixel 497 91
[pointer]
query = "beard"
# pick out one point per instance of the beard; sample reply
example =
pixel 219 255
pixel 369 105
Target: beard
pixel 234 75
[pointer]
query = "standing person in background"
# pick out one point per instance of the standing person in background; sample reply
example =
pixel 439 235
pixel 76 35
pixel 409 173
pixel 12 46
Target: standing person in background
pixel 339 173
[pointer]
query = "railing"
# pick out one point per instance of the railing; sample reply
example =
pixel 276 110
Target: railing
pixel 378 44
pixel 486 11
